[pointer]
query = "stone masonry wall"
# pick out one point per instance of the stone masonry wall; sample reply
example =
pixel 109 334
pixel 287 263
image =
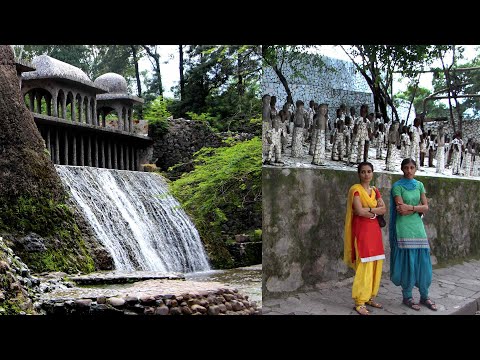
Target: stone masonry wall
pixel 184 137
pixel 470 128
pixel 303 229
pixel 342 86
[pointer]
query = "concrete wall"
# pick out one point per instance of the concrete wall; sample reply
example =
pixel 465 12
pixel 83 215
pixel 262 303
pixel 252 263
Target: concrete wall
pixel 303 224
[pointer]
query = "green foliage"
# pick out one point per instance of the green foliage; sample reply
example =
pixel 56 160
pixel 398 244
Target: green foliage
pixel 225 181
pixel 156 113
pixel 432 108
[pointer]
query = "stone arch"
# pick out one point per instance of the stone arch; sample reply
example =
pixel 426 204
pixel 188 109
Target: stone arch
pixel 39 101
pixel 107 117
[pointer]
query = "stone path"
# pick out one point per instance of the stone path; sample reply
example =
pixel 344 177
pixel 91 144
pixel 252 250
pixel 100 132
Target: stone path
pixel 455 290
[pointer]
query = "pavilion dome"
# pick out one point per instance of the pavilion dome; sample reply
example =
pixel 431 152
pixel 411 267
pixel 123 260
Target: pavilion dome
pixel 46 66
pixel 115 83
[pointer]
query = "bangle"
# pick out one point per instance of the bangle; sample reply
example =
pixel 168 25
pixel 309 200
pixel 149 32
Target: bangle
pixel 373 217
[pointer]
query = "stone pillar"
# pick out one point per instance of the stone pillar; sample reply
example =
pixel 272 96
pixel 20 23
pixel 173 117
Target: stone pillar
pixel 65 147
pixel 94 109
pixel 121 157
pixel 115 163
pixel 89 150
pixel 102 153
pixel 132 158
pixel 73 107
pixel 109 154
pixel 89 108
pixel 80 109
pixel 95 153
pixel 130 121
pixel 127 157
pixel 64 107
pixel 47 142
pixel 103 119
pixel 57 148
pixel 74 149
pixel 82 152
pixel 55 103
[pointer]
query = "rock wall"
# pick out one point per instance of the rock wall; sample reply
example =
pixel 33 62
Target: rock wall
pixel 304 215
pixel 184 137
pixel 342 86
pixel 470 128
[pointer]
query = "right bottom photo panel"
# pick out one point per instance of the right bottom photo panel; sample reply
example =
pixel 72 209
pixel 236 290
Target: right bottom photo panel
pixel 371 180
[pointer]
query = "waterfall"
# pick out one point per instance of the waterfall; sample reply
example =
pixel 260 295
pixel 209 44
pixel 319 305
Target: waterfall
pixel 136 219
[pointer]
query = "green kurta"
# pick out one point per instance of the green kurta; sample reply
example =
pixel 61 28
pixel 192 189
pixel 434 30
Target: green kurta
pixel 410 229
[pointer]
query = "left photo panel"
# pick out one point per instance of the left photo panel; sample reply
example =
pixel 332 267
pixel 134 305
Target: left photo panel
pixel 130 180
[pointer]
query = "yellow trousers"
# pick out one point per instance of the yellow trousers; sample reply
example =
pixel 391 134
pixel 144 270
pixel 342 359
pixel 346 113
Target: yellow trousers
pixel 367 280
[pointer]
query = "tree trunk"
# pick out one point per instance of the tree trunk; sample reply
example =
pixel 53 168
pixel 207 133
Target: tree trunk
pixel 182 78
pixel 284 82
pixel 137 75
pixel 156 58
pixel 240 87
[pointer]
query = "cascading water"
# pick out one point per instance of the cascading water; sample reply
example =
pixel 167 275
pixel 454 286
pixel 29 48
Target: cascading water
pixel 136 219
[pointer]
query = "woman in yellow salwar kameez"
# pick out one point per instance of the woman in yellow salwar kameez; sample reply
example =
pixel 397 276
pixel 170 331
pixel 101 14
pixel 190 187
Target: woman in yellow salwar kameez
pixel 363 245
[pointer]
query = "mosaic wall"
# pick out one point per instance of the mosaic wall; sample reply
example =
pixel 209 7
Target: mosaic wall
pixel 336 84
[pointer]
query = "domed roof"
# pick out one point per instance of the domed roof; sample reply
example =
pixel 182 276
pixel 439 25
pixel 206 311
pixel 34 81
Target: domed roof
pixel 115 83
pixel 46 66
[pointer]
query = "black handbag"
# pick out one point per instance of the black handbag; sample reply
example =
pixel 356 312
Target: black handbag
pixel 381 221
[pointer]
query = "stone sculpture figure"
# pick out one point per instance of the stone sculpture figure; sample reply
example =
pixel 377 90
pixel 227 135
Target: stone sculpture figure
pixel 393 141
pixel 468 157
pixel 273 107
pixel 284 116
pixel 275 137
pixel 348 131
pixel 321 125
pixel 266 125
pixel 431 149
pixel 363 134
pixel 440 157
pixel 457 147
pixel 313 140
pixel 338 141
pixel 299 125
pixel 380 140
pixel 354 138
pixel 416 140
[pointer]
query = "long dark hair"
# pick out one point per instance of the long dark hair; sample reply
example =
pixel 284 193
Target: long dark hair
pixel 363 164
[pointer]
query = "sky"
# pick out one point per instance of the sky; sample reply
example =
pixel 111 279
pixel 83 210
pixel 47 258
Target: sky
pixel 169 67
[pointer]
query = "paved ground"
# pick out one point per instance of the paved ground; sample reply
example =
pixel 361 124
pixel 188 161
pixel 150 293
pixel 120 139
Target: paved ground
pixel 455 290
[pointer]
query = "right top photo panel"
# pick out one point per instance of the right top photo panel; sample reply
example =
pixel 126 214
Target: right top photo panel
pixel 370 179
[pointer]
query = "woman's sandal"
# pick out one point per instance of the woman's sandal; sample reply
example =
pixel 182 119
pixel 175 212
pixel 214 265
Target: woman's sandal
pixel 429 303
pixel 411 304
pixel 361 310
pixel 374 304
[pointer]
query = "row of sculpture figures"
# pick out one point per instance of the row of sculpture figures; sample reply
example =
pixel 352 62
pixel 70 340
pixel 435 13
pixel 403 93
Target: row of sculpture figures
pixel 350 138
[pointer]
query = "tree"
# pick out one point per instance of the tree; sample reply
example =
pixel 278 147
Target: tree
pixel 378 63
pixel 182 77
pixel 154 58
pixel 210 74
pixel 295 56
